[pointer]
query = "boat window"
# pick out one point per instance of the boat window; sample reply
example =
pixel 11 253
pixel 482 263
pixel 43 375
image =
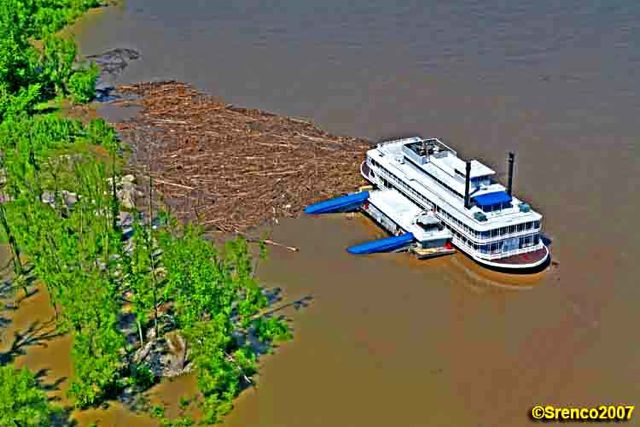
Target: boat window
pixel 481 180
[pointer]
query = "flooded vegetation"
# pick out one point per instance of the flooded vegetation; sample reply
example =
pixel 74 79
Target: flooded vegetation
pixel 388 340
pixel 138 295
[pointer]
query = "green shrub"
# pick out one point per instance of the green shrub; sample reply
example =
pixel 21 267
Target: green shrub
pixel 82 84
pixel 142 376
pixel 22 400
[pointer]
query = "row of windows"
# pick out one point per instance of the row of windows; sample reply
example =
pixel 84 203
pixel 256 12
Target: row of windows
pixel 482 181
pixel 497 207
pixel 490 234
pixel 506 245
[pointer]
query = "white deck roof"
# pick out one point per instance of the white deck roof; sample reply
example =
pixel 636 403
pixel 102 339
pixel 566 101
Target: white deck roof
pixel 452 163
pixel 404 212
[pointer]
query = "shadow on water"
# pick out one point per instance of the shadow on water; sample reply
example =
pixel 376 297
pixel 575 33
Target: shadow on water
pixel 276 307
pixel 43 374
pixel 274 296
pixel 479 280
pixel 6 291
pixel 8 300
pixel 63 419
pixel 36 334
pixel 5 267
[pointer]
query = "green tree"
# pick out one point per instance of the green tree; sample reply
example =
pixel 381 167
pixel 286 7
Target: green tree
pixel 217 303
pixel 23 403
pixel 82 84
pixel 56 64
pixel 139 280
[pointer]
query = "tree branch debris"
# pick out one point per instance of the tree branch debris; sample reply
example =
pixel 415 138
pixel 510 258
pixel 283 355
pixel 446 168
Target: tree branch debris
pixel 234 168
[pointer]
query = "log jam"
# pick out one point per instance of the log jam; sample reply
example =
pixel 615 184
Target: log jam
pixel 233 168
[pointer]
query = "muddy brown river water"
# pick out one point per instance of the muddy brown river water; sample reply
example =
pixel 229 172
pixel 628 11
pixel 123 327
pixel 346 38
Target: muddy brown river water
pixel 387 340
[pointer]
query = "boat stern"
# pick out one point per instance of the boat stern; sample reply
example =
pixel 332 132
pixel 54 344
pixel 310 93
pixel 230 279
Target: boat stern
pixel 536 260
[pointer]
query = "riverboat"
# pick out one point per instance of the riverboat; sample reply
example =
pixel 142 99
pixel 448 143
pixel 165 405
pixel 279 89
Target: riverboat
pixel 486 221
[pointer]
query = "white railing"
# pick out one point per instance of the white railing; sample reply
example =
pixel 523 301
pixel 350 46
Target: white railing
pixel 520 251
pixel 393 141
pixel 498 255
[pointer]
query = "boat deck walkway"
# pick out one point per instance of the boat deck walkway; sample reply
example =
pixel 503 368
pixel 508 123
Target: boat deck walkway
pixel 404 213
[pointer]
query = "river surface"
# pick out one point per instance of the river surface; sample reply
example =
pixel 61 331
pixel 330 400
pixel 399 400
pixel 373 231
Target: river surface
pixel 387 340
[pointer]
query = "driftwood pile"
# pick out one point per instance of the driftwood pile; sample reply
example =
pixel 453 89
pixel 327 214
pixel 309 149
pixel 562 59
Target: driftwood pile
pixel 232 168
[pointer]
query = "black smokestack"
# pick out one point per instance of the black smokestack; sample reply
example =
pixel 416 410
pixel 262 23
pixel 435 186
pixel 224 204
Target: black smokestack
pixel 510 179
pixel 467 179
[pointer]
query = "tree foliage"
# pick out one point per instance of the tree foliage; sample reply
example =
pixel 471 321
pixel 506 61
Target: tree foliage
pixel 33 72
pixel 217 303
pixel 82 84
pixel 60 212
pixel 23 403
